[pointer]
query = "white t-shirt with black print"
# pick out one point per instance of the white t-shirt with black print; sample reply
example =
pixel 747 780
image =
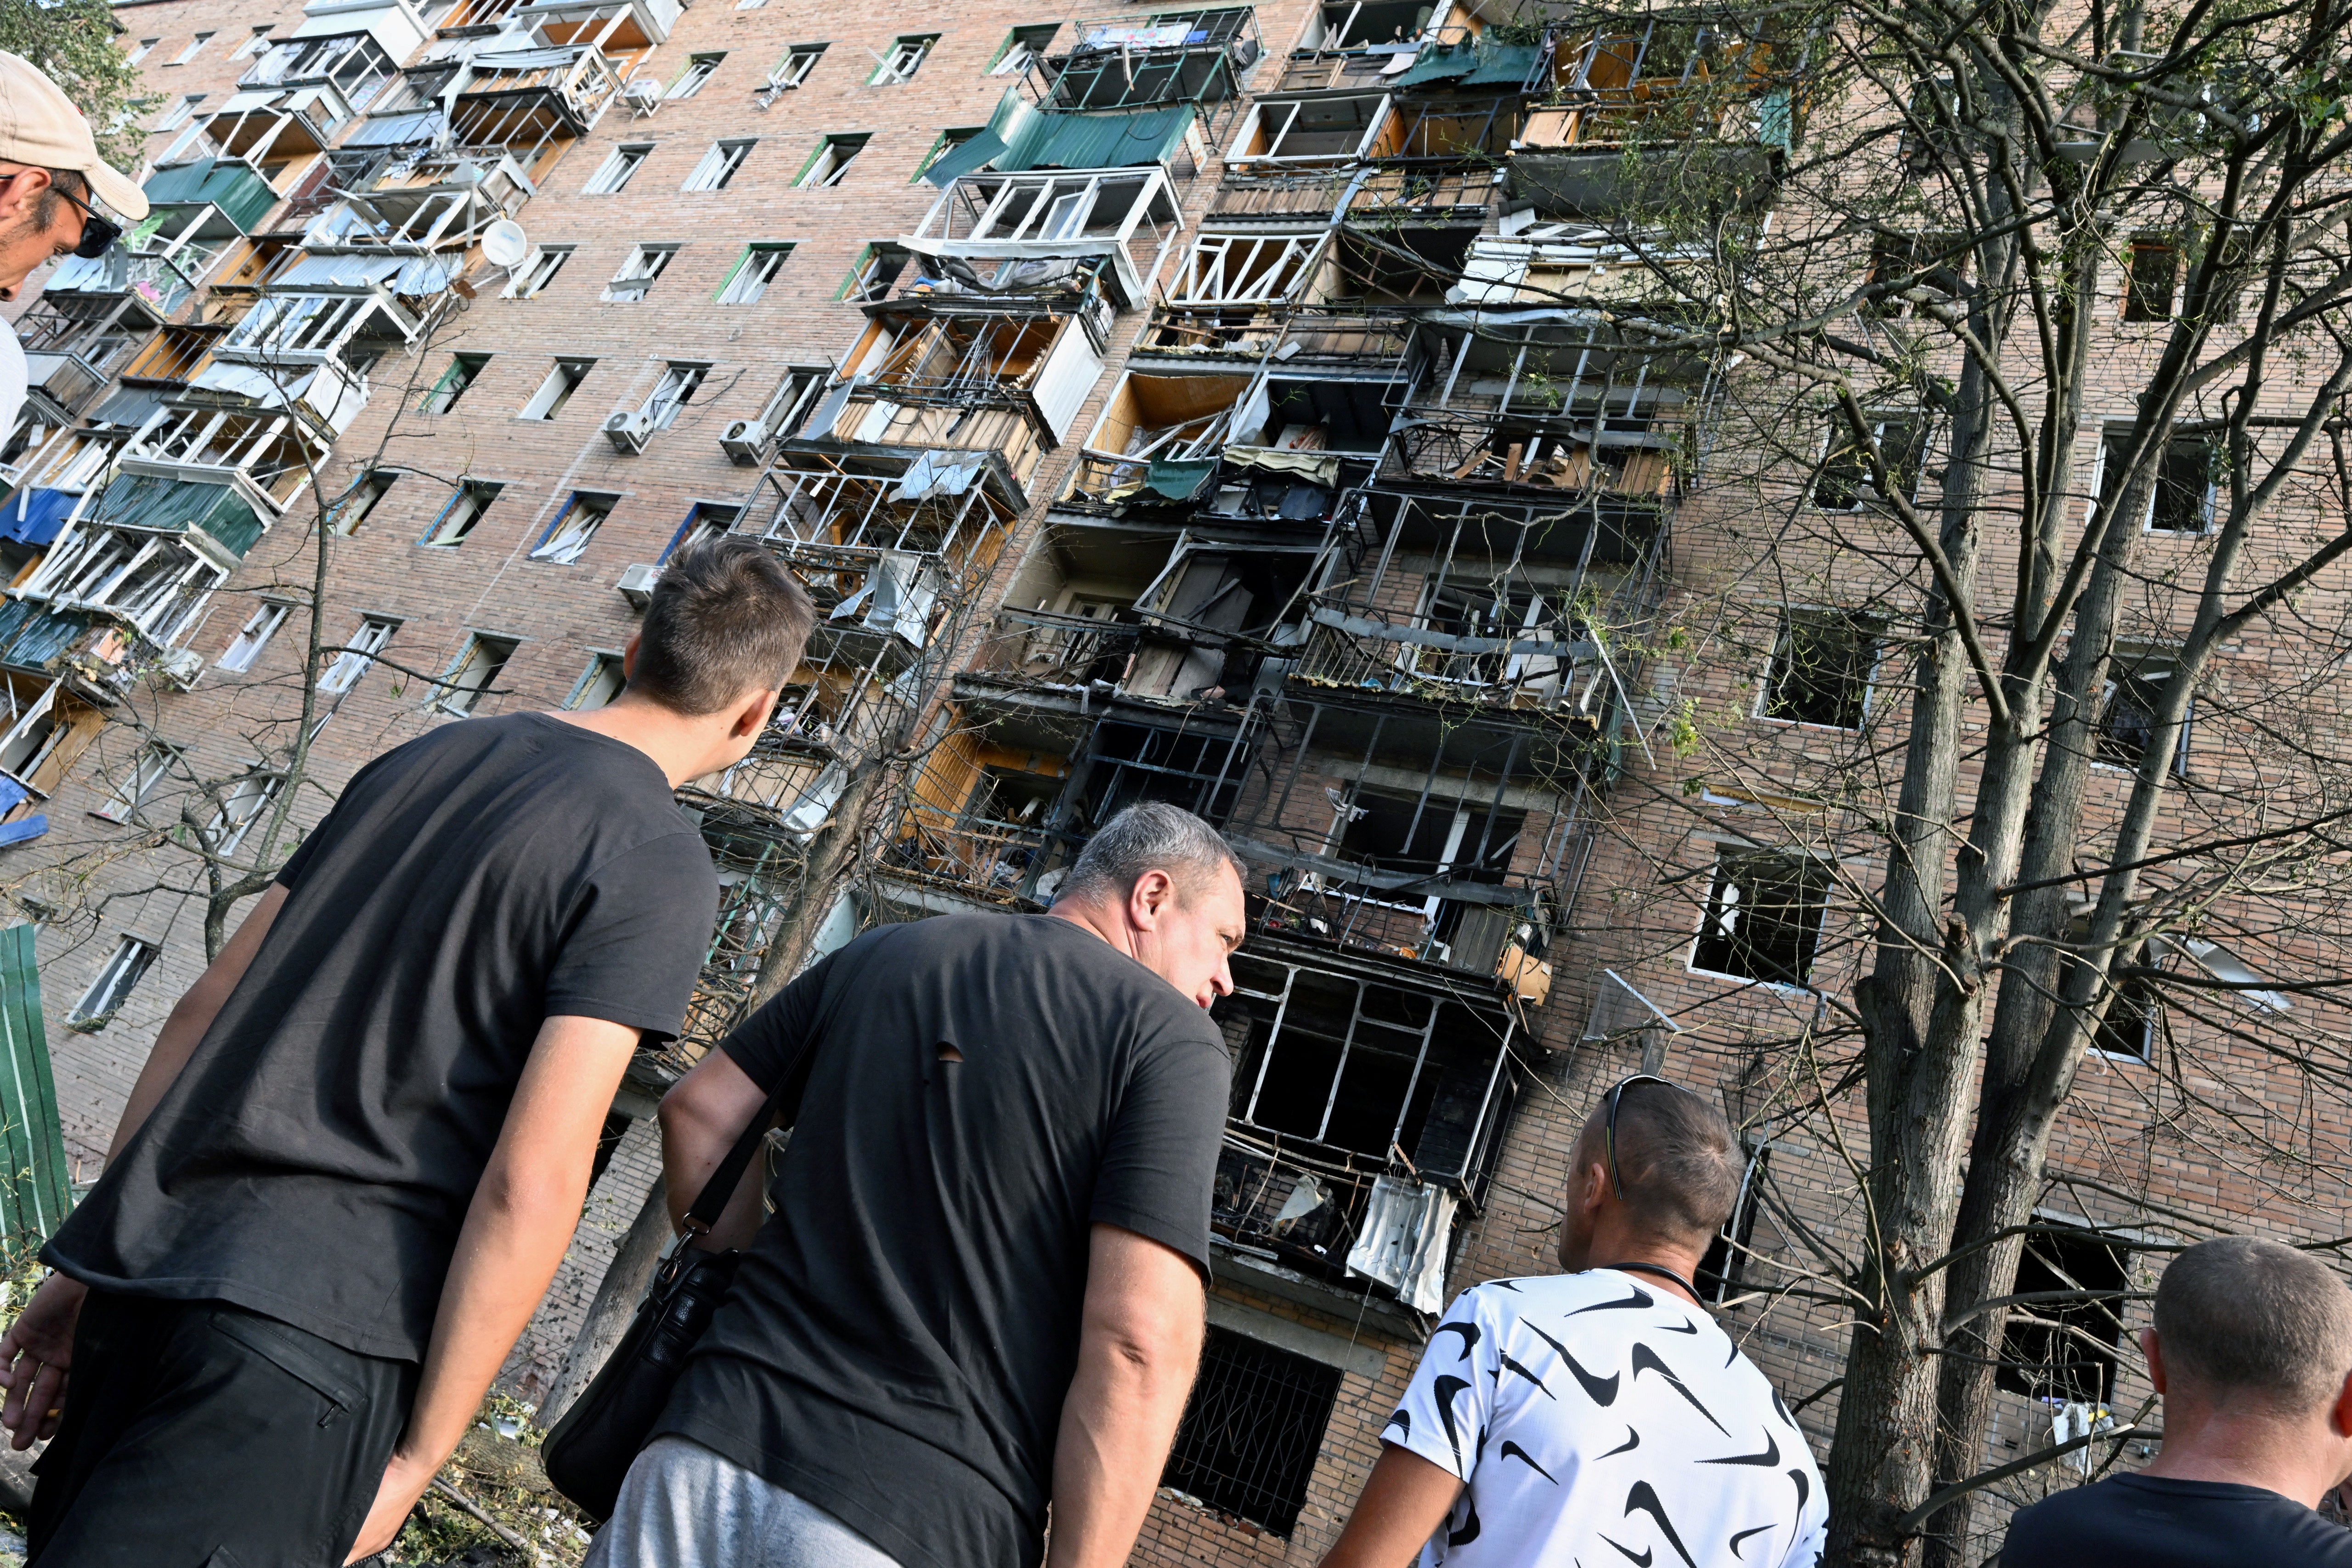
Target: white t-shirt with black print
pixel 1600 1419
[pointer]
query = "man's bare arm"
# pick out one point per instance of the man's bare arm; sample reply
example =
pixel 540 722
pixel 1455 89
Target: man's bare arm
pixel 516 1231
pixel 36 1351
pixel 1139 1346
pixel 701 1116
pixel 1404 1502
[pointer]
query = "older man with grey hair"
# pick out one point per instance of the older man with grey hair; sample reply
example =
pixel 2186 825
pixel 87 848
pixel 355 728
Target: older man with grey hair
pixel 980 1288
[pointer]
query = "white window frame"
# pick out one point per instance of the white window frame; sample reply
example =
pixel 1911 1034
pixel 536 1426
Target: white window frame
pixel 621 164
pixel 700 69
pixel 359 654
pixel 794 67
pixel 645 263
pixel 1707 911
pixel 680 380
pixel 1288 109
pixel 195 46
pixel 753 271
pixel 1201 278
pixel 797 391
pixel 255 635
pixel 253 45
pixel 568 536
pixel 1021 47
pixel 461 689
pixel 139 51
pixel 246 802
pixel 531 279
pixel 178 114
pixel 908 53
pixel 1864 494
pixel 719 164
pixel 1784 634
pixel 830 164
pixel 2107 436
pixel 148 769
pixel 556 390
pixel 113 985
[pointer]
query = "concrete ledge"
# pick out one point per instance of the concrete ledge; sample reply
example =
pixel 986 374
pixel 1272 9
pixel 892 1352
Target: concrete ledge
pixel 1282 1334
pixel 1358 1309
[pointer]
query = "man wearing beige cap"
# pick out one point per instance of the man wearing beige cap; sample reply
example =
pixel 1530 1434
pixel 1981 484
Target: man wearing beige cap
pixel 49 171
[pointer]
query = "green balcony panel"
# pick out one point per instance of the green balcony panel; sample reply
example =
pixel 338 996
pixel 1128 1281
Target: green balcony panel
pixel 149 500
pixel 234 187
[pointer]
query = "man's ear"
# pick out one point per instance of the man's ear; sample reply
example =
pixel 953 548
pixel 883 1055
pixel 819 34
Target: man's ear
pixel 752 715
pixel 1153 892
pixel 2339 1415
pixel 2154 1354
pixel 23 189
pixel 629 655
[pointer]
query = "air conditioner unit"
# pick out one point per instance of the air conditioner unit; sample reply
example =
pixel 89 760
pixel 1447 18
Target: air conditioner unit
pixel 741 441
pixel 181 669
pixel 644 96
pixel 629 429
pixel 637 583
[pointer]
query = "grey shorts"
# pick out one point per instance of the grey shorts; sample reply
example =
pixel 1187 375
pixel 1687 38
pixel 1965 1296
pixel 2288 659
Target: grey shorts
pixel 683 1506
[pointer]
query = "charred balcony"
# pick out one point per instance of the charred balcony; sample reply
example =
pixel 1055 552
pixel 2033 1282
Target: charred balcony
pixel 1161 431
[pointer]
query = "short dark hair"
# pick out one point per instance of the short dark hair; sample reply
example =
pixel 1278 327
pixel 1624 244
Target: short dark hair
pixel 69 182
pixel 2256 1318
pixel 1678 1159
pixel 724 617
pixel 1151 836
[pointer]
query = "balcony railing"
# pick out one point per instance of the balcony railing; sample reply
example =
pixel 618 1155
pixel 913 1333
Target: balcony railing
pixel 71 380
pixel 1297 336
pixel 568 87
pixel 355 63
pixel 1136 63
pixel 1045 649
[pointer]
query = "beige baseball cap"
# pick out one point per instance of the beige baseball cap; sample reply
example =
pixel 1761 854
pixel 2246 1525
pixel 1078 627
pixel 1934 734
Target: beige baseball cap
pixel 40 126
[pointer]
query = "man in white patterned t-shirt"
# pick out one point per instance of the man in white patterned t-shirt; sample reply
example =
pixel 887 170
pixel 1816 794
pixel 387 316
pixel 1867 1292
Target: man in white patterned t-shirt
pixel 1596 1417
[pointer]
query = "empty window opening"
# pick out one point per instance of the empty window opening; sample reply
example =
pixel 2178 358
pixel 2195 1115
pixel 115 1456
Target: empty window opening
pixel 244 804
pixel 177 115
pixel 2128 1029
pixel 567 537
pixel 2181 497
pixel 148 771
pixel 1819 674
pixel 1725 1268
pixel 718 165
pixel 948 141
pixel 115 982
pixel 645 263
pixel 598 684
pixel 706 522
pixel 831 161
pixel 253 45
pixel 464 369
pixel 358 655
pixel 1133 762
pixel 557 389
pixel 2064 1350
pixel 367 493
pixel 903 59
pixel 474 676
pixel 1021 47
pixel 2135 691
pixel 877 268
pixel 538 271
pixel 618 165
pixel 753 271
pixel 1845 482
pixel 195 46
pixel 140 53
pixel 796 392
pixel 1764 912
pixel 679 381
pixel 464 510
pixel 1252 1430
pixel 699 70
pixel 2149 284
pixel 794 67
pixel 255 635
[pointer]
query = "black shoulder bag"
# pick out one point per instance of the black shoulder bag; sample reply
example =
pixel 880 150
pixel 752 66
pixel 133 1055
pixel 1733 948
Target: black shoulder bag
pixel 589 1450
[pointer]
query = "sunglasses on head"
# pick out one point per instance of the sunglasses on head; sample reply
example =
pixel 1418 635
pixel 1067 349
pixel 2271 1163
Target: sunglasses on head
pixel 97 232
pixel 1616 1097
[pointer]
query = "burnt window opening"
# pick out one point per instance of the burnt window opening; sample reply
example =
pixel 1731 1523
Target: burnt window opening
pixel 1722 1272
pixel 1845 482
pixel 2127 724
pixel 1764 916
pixel 1252 1430
pixel 1364 1066
pixel 2127 1028
pixel 1821 662
pixel 2070 1353
pixel 2152 281
pixel 1134 763
pixel 2181 497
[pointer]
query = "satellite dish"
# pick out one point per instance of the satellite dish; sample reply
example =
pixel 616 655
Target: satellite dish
pixel 504 243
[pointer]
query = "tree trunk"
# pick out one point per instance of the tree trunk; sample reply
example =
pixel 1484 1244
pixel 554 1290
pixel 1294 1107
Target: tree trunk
pixel 832 853
pixel 625 1278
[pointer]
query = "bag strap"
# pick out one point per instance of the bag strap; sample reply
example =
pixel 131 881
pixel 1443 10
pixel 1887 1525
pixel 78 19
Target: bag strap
pixel 716 1192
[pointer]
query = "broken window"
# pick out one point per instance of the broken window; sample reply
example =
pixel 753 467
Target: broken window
pixel 948 141
pixel 557 389
pixel 1764 912
pixel 115 982
pixel 464 510
pixel 707 520
pixel 366 492
pixel 359 654
pixel 796 392
pixel 794 67
pixel 599 683
pixel 2153 275
pixel 753 271
pixel 2135 691
pixel 699 70
pixel 2127 1028
pixel 905 58
pixel 618 165
pixel 472 677
pixel 2070 1353
pixel 1244 269
pixel 255 635
pixel 679 381
pixel 532 277
pixel 1022 46
pixel 253 45
pixel 1725 1268
pixel 1820 673
pixel 138 52
pixel 831 161
pixel 242 803
pixel 718 165
pixel 567 537
pixel 1200 772
pixel 877 268
pixel 645 263
pixel 177 115
pixel 462 372
pixel 150 768
pixel 2183 502
pixel 1253 1428
pixel 1309 130
pixel 1845 482
pixel 195 44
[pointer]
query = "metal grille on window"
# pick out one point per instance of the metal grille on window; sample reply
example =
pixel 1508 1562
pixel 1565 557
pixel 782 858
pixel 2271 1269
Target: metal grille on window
pixel 1252 1430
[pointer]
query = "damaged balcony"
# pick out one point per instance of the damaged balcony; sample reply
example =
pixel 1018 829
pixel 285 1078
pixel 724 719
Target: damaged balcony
pixel 1163 430
pixel 1650 85
pixel 172 357
pixel 45 727
pixel 266 457
pixel 535 95
pixel 1367 1112
pixel 276 134
pixel 354 64
pixel 758 862
pixel 143 280
pixel 437 203
pixel 993 222
pixel 1166 58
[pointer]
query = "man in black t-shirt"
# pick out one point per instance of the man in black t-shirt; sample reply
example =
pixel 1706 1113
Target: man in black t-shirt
pixel 360 1145
pixel 2252 1353
pixel 981 1286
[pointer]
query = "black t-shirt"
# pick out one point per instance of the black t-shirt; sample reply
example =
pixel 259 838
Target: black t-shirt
pixel 2154 1521
pixel 898 1343
pixel 314 1160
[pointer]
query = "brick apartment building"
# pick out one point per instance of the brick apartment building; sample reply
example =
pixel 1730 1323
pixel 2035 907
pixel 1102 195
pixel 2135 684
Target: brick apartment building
pixel 1199 405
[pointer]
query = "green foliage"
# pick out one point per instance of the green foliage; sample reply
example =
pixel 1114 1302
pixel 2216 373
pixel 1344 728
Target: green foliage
pixel 73 41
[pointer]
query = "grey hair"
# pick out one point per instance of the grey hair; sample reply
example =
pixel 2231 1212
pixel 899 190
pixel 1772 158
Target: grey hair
pixel 2256 1318
pixel 1151 836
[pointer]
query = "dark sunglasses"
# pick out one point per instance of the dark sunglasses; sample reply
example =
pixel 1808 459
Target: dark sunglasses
pixel 1616 1098
pixel 97 233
